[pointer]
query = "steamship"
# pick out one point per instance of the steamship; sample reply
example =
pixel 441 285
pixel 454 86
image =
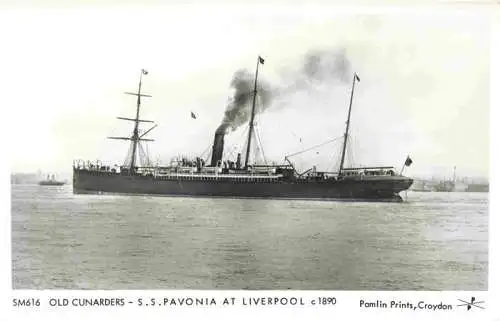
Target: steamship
pixel 236 178
pixel 51 181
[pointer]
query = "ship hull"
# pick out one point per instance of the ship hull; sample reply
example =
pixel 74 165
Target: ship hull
pixel 85 182
pixel 43 183
pixel 478 188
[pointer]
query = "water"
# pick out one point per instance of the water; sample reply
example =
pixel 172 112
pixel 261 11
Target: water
pixel 435 241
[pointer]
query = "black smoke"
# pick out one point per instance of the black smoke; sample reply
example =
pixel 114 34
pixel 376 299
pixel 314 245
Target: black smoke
pixel 238 108
pixel 317 67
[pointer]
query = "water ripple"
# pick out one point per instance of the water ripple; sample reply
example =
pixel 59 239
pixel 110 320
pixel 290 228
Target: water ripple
pixel 435 241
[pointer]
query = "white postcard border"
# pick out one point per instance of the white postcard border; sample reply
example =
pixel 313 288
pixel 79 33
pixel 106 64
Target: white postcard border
pixel 347 304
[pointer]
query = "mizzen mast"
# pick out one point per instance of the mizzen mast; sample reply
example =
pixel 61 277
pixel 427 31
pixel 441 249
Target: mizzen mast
pixel 136 138
pixel 354 79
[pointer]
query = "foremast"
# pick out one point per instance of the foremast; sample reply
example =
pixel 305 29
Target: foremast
pixel 260 60
pixel 346 134
pixel 136 138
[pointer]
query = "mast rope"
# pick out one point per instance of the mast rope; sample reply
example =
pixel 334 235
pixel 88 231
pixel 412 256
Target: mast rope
pixel 260 146
pixel 356 148
pixel 349 151
pixel 352 147
pixel 234 147
pixel 127 161
pixel 335 159
pixel 352 142
pixel 148 154
pixel 205 151
pixel 257 134
pixel 139 156
pixel 313 147
pixel 144 159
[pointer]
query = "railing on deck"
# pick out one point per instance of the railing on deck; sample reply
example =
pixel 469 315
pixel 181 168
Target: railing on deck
pixel 179 173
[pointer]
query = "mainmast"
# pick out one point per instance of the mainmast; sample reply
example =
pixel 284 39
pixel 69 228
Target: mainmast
pixel 354 79
pixel 135 138
pixel 260 60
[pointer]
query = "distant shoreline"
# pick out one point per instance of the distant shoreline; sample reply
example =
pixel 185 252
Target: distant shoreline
pixel 34 178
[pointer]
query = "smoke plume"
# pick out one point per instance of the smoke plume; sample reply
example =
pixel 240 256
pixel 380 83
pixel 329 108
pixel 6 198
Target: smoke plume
pixel 323 65
pixel 318 67
pixel 239 106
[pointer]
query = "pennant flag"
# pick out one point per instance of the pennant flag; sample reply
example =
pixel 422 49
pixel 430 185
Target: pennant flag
pixel 356 76
pixel 144 72
pixel 408 161
pixel 261 60
pixel 193 115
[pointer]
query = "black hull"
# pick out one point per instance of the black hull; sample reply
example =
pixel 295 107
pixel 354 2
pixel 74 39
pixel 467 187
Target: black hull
pixel 381 188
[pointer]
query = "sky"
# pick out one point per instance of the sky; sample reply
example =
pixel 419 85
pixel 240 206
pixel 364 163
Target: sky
pixel 424 89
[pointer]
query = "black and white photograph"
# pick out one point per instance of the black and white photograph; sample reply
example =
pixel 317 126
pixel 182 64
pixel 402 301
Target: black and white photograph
pixel 248 147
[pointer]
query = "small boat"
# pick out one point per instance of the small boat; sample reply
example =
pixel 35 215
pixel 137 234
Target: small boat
pixel 51 181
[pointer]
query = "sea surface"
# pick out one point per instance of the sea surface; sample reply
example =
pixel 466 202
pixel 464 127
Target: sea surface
pixel 433 241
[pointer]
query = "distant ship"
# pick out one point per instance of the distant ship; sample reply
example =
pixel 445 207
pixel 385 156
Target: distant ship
pixel 444 186
pixel 237 178
pixel 51 181
pixel 421 186
pixel 447 185
pixel 478 188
